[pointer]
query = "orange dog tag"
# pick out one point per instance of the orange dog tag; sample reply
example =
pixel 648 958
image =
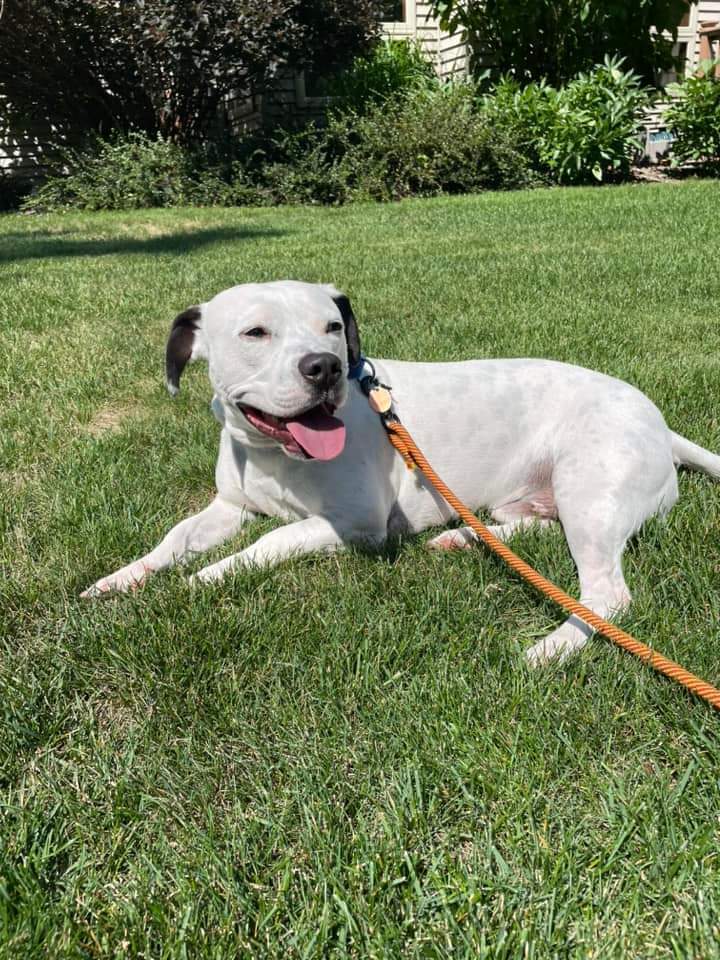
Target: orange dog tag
pixel 379 399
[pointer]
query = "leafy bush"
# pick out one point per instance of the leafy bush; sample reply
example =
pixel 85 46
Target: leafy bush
pixel 694 117
pixel 430 141
pixel 130 172
pixel 393 67
pixel 526 112
pixel 584 130
pixel 596 124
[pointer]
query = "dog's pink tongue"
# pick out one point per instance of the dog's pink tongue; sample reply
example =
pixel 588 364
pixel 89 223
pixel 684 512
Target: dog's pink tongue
pixel 319 434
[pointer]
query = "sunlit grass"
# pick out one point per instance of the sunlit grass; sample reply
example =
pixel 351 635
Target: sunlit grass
pixel 346 755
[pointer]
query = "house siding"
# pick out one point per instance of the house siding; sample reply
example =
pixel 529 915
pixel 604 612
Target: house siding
pixel 25 154
pixel 454 57
pixel 704 12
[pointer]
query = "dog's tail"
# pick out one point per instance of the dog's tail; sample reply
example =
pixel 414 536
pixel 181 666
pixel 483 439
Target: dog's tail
pixel 691 455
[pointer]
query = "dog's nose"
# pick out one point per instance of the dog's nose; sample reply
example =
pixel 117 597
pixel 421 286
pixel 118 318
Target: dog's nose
pixel 321 369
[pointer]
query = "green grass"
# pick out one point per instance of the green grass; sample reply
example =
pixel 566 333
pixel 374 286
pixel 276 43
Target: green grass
pixel 346 756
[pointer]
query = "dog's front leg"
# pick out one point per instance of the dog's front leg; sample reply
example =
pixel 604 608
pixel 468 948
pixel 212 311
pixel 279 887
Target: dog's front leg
pixel 313 535
pixel 197 534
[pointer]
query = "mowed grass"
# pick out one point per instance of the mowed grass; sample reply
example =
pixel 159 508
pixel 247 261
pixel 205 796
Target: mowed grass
pixel 347 756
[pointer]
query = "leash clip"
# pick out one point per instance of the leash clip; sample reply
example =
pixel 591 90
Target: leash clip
pixel 380 401
pixel 378 394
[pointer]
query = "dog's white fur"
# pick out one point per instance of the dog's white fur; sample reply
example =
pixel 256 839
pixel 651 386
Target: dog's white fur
pixel 528 440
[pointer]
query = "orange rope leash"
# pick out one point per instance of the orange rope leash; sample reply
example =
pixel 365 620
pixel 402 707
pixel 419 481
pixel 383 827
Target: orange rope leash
pixel 414 457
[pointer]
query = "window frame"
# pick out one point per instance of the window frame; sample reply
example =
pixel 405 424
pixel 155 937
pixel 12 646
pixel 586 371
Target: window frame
pixel 402 28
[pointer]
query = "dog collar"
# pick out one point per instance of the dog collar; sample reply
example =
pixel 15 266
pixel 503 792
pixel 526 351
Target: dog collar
pixel 355 371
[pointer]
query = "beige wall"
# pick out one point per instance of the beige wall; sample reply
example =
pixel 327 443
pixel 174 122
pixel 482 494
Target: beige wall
pixel 448 54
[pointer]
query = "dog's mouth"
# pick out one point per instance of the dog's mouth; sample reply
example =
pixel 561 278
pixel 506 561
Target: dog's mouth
pixel 314 435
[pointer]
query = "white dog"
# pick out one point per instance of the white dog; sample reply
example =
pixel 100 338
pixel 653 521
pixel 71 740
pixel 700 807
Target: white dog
pixel 528 440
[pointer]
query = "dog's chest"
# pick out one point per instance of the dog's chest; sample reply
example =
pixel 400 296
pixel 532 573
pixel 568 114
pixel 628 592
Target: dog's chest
pixel 267 482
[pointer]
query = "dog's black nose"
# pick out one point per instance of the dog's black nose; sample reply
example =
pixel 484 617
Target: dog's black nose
pixel 321 369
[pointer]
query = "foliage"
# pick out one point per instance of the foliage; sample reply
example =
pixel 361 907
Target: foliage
pixel 64 65
pixel 554 39
pixel 391 68
pixel 130 172
pixel 527 111
pixel 195 54
pixel 157 66
pixel 694 117
pixel 428 142
pixel 428 139
pixel 584 130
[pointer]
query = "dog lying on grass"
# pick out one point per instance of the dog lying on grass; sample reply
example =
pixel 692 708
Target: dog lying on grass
pixel 532 441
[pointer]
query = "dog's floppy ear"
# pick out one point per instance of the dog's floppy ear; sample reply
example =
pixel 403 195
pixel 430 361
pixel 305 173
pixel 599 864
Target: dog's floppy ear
pixel 352 335
pixel 186 342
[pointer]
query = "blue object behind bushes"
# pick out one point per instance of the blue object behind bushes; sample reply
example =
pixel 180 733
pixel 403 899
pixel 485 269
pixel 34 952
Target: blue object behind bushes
pixel 694 117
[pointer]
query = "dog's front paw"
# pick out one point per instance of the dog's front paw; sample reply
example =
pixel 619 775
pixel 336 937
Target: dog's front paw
pixel 212 573
pixel 123 580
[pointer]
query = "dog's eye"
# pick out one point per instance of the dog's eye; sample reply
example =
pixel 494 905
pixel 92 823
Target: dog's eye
pixel 256 332
pixel 334 327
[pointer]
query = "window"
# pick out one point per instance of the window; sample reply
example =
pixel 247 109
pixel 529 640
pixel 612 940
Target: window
pixel 393 11
pixel 398 18
pixel 680 53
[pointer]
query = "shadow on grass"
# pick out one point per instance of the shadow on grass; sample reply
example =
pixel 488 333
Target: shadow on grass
pixel 43 244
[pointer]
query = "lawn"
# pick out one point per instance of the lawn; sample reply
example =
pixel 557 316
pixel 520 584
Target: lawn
pixel 347 756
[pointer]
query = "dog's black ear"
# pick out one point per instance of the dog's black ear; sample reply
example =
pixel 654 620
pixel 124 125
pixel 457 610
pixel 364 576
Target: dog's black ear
pixel 184 343
pixel 352 335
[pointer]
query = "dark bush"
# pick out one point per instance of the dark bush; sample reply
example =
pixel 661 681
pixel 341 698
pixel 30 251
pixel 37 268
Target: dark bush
pixel 13 190
pixel 102 66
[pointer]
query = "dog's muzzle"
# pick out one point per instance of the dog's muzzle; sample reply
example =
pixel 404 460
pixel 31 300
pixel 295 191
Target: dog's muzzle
pixel 322 370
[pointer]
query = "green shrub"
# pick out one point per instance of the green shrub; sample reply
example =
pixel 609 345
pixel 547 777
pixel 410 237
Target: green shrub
pixel 694 117
pixel 128 173
pixel 392 68
pixel 585 130
pixel 527 113
pixel 427 142
pixel 430 140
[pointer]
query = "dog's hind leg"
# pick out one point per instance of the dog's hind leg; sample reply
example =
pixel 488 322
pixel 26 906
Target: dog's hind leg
pixel 602 589
pixel 599 512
